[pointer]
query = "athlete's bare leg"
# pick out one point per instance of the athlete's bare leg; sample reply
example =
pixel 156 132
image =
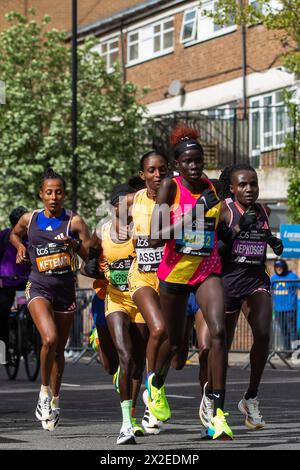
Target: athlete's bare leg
pixel 42 315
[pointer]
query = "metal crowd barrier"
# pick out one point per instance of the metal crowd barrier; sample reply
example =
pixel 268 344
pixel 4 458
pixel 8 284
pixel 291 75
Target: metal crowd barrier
pixel 285 329
pixel 286 319
pixel 78 342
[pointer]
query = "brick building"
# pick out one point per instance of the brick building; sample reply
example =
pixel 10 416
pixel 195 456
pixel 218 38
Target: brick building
pixel 197 71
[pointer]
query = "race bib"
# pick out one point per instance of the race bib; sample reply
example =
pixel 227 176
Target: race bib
pixel 198 242
pixel 148 258
pixel 119 273
pixel 250 248
pixel 53 259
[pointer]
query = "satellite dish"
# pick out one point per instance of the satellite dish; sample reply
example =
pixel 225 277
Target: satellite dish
pixel 175 88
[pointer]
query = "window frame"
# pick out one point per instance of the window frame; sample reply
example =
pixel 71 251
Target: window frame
pixel 106 55
pixel 229 109
pixel 275 132
pixel 149 28
pixel 206 22
pixel 195 25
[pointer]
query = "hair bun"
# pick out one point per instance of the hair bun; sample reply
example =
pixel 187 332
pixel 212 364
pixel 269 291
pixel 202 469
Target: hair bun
pixel 182 133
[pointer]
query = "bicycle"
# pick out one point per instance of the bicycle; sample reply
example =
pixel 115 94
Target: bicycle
pixel 23 340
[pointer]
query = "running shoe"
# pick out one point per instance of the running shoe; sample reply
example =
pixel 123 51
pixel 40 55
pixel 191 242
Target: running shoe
pixel 151 424
pixel 116 380
pixel 94 339
pixel 206 410
pixel 218 428
pixel 250 409
pixel 51 424
pixel 126 436
pixel 158 404
pixel 43 410
pixel 137 429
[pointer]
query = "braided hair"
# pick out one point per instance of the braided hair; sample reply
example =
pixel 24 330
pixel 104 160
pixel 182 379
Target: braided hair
pixel 50 174
pixel 226 178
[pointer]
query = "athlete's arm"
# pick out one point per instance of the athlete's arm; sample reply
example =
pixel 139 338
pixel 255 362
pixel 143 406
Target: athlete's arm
pixel 79 228
pixel 228 234
pixel 161 228
pixel 90 267
pixel 16 236
pixel 274 242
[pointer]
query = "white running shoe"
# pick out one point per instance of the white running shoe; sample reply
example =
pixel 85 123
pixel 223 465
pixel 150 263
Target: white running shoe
pixel 51 424
pixel 250 410
pixel 149 422
pixel 43 410
pixel 126 436
pixel 206 410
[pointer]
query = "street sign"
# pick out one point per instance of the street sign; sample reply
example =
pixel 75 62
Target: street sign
pixel 290 236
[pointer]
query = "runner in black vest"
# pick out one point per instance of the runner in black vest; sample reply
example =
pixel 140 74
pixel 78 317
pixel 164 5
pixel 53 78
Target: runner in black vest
pixel 55 235
pixel 245 278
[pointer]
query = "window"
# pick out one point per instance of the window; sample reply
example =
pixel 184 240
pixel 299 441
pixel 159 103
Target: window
pixel 218 27
pixel 222 112
pixel 133 46
pixel 197 26
pixel 109 50
pixel 273 6
pixel 151 41
pixel 189 26
pixel 269 122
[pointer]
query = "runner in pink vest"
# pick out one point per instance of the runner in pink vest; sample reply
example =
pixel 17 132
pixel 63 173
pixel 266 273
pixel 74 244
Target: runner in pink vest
pixel 191 263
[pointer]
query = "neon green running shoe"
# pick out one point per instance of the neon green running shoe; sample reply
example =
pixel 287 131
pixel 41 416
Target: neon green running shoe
pixel 218 428
pixel 137 429
pixel 116 380
pixel 157 403
pixel 94 339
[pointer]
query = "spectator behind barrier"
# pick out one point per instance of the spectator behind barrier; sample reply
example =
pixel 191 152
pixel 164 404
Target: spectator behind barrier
pixel 10 270
pixel 285 285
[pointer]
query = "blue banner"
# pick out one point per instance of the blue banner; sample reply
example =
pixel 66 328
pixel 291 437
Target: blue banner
pixel 290 236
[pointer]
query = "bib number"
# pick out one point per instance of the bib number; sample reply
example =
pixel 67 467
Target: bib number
pixel 119 273
pixel 198 241
pixel 148 258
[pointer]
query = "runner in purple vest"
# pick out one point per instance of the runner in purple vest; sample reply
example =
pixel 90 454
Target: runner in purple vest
pixel 55 235
pixel 13 277
pixel 245 278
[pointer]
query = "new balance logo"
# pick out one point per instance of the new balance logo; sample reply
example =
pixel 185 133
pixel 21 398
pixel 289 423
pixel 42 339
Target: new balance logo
pixel 59 237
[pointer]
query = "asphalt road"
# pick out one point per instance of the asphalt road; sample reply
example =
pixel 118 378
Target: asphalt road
pixel 91 413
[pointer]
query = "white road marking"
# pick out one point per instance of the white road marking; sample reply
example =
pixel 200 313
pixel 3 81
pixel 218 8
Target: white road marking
pixel 70 385
pixel 180 396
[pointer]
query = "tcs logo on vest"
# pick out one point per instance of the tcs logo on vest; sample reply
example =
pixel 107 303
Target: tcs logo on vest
pixel 42 251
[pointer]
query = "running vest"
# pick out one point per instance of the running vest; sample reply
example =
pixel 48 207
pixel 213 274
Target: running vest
pixel 148 258
pixel 250 246
pixel 47 254
pixel 119 257
pixel 192 259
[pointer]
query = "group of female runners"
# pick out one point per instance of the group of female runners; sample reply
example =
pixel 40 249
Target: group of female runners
pixel 174 238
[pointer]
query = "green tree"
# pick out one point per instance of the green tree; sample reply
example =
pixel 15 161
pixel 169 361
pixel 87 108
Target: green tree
pixel 283 17
pixel 35 122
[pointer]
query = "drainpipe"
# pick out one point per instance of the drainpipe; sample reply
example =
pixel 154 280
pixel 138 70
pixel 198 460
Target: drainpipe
pixel 244 65
pixel 123 54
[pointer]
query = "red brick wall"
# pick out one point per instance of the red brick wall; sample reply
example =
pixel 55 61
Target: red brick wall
pixel 198 66
pixel 207 63
pixel 60 10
